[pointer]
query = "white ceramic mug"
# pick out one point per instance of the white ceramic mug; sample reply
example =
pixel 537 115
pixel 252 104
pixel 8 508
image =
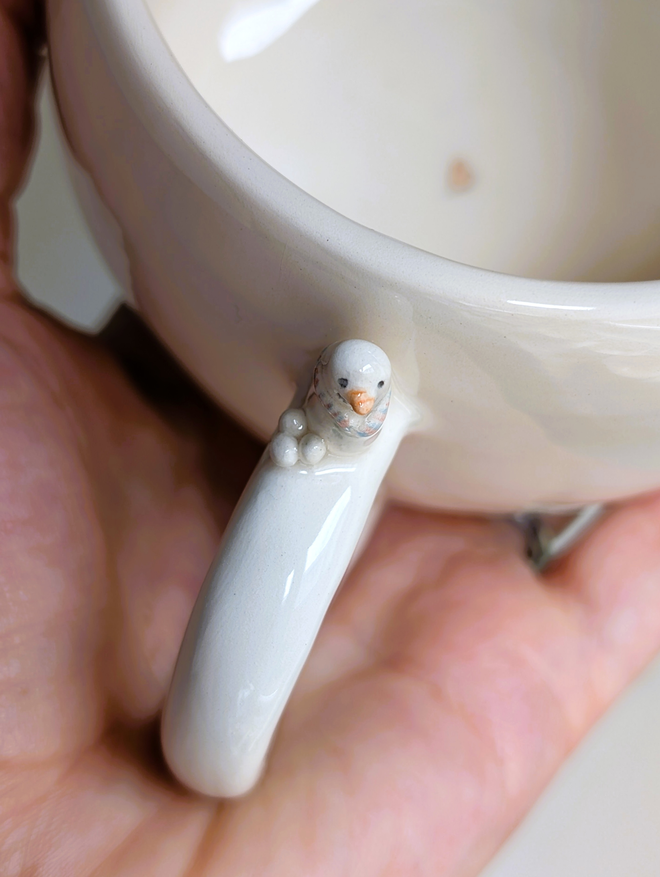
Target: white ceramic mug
pixel 527 394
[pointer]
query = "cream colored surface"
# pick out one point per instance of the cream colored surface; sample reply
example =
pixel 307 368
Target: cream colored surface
pixel 536 394
pixel 552 104
pixel 600 816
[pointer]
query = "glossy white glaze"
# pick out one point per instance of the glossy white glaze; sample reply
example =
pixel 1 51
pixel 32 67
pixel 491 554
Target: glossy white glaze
pixel 282 558
pixel 312 449
pixel 293 422
pixel 283 450
pixel 536 394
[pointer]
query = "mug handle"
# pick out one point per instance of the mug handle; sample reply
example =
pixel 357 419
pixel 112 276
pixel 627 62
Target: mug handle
pixel 282 558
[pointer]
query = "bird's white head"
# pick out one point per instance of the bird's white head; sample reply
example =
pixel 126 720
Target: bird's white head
pixel 356 372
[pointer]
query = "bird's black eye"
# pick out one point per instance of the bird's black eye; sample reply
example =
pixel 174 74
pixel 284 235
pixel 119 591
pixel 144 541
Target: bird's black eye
pixel 343 383
pixel 381 384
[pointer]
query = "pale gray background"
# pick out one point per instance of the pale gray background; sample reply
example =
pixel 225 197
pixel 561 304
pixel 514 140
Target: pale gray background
pixel 601 815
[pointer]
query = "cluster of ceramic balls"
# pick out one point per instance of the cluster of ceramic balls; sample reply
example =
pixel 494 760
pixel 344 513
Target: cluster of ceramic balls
pixel 292 441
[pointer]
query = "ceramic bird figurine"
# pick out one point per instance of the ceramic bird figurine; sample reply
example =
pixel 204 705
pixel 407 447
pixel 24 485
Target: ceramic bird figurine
pixel 345 408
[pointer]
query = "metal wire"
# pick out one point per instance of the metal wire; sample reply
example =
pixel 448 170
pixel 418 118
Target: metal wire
pixel 545 544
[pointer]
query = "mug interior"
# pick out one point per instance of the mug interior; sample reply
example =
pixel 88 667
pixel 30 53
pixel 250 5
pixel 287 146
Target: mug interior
pixel 521 136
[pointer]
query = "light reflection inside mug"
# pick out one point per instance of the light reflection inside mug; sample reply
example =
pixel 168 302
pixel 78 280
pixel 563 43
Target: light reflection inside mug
pixel 251 30
pixel 520 136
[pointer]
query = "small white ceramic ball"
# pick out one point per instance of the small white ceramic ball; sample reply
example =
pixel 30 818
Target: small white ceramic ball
pixel 284 450
pixel 293 422
pixel 312 449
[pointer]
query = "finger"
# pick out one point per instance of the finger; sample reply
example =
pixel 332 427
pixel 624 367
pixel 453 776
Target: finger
pixel 409 550
pixel 20 32
pixel 102 816
pixel 51 553
pixel 175 478
pixel 478 676
pixel 608 588
pixel 162 566
pixel 613 580
pixel 108 521
pixel 440 726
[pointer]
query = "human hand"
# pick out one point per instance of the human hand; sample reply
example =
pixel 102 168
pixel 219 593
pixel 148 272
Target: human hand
pixel 446 686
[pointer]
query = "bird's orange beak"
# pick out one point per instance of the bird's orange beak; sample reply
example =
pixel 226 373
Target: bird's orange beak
pixel 361 402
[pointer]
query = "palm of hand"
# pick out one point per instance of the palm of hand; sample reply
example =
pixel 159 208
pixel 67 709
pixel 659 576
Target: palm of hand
pixel 445 687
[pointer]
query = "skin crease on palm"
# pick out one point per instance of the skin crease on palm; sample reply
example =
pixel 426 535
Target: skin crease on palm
pixel 447 684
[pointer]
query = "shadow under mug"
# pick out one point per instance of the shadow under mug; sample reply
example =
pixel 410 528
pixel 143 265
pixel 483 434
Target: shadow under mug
pixel 512 394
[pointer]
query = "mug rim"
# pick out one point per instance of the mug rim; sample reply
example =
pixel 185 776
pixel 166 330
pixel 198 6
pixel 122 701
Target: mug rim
pixel 197 139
